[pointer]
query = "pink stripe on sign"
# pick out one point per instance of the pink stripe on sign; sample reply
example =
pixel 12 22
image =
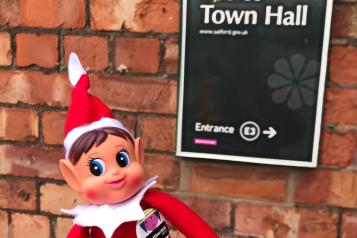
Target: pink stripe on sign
pixel 199 141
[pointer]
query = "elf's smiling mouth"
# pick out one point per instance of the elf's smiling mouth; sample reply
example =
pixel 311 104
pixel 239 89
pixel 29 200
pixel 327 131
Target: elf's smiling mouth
pixel 117 183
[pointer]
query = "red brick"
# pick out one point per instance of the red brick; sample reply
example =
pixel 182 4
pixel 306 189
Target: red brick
pixel 4 228
pixel 327 187
pixel 343 65
pixel 54 197
pixel 217 213
pixel 317 223
pixel 5 48
pixel 344 20
pixel 9 13
pixel 92 50
pixel 63 226
pixel 136 15
pixel 349 225
pixel 341 20
pixel 279 222
pixel 41 50
pixel 18 124
pixel 158 133
pixel 52 126
pixel 34 88
pixel 138 54
pixel 171 56
pixel 166 167
pixel 17 194
pixel 255 220
pixel 239 181
pixel 53 13
pixel 341 106
pixel 338 148
pixel 24 225
pixel 123 93
pixel 112 15
pixel 136 94
pixel 30 161
pixel 158 16
pixel 43 13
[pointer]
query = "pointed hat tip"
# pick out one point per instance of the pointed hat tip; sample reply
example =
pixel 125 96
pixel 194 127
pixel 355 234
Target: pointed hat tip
pixel 75 69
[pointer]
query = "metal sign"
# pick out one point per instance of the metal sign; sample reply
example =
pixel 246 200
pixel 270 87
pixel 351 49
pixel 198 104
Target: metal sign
pixel 252 80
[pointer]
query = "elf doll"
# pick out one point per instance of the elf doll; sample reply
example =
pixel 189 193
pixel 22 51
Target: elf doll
pixel 103 163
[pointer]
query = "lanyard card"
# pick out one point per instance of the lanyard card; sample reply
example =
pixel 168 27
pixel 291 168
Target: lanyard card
pixel 152 226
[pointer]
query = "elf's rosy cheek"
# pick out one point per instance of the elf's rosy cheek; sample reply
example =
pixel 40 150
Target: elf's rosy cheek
pixel 90 194
pixel 136 180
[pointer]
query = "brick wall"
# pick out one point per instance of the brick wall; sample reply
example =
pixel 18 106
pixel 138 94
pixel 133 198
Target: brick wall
pixel 140 37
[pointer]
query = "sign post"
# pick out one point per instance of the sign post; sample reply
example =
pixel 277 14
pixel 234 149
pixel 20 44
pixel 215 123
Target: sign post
pixel 252 80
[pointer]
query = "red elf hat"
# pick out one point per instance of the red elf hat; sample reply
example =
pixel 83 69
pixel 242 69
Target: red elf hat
pixel 86 112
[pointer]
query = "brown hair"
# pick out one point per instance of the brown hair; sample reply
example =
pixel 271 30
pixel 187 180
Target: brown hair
pixel 95 137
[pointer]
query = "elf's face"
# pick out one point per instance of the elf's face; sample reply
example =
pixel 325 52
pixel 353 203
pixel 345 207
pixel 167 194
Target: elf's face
pixel 108 173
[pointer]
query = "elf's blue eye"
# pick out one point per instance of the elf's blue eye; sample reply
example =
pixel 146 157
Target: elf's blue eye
pixel 97 167
pixel 123 159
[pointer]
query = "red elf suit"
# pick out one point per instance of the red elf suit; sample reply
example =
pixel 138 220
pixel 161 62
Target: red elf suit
pixel 119 220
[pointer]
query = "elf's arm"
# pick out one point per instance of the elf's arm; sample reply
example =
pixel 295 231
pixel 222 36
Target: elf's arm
pixel 179 215
pixel 78 232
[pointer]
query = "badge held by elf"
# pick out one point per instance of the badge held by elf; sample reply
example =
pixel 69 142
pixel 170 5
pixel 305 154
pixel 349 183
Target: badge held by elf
pixel 104 164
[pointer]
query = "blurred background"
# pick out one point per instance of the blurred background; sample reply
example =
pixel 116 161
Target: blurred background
pixel 130 49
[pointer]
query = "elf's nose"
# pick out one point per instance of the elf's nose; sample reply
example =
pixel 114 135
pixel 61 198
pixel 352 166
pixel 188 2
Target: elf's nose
pixel 114 171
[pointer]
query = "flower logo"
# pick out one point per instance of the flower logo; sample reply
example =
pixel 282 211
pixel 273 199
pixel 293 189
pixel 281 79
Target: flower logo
pixel 295 82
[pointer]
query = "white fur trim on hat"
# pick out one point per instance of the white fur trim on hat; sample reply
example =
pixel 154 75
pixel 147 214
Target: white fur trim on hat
pixel 74 134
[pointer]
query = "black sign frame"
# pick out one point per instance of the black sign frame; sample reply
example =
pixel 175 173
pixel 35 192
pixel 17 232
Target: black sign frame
pixel 180 152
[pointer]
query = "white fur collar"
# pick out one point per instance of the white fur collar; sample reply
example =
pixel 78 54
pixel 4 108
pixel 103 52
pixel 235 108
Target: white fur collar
pixel 109 217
